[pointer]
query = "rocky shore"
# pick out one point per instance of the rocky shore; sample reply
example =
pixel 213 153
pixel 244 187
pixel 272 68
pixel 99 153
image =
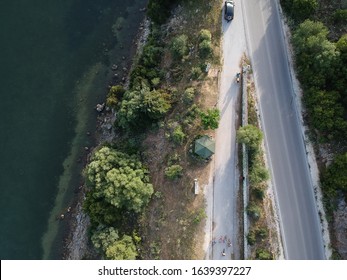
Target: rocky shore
pixel 76 244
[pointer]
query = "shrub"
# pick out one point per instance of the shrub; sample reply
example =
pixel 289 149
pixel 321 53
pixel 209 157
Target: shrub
pixel 251 239
pixel 210 119
pixel 114 95
pixel 258 174
pixel 258 192
pixel 205 35
pixel 340 17
pixel 196 73
pixel 253 211
pixel 188 95
pixel 173 171
pixel 262 233
pixel 250 135
pixel 178 135
pixel 262 254
pixel 179 46
pixel 334 178
pixel 205 49
pixel 114 248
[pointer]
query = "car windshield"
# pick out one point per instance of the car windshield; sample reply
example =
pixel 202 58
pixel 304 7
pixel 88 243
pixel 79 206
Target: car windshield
pixel 229 9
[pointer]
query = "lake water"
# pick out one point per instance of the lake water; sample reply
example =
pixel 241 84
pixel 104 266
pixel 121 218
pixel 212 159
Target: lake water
pixel 55 65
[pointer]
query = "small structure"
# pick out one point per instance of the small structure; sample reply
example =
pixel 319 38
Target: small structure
pixel 196 186
pixel 204 147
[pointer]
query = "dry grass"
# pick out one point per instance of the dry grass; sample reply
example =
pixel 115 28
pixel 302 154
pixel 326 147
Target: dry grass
pixel 173 225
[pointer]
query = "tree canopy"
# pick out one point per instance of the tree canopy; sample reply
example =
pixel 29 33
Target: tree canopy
pixel 316 56
pixel 114 248
pixel 141 105
pixel 335 177
pixel 250 135
pixel 210 119
pixel 119 179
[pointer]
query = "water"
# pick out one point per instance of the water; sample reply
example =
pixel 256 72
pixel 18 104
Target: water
pixel 55 63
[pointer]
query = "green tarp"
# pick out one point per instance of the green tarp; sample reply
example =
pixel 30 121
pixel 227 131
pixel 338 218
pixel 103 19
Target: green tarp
pixel 204 147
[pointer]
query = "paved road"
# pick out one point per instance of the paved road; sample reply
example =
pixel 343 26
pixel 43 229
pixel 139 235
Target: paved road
pixel 301 230
pixel 225 218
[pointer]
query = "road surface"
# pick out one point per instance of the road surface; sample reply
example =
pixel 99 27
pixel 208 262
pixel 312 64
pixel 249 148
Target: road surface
pixel 301 231
pixel 225 190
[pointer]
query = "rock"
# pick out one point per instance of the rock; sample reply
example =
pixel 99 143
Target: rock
pixel 114 67
pixel 100 107
pixel 86 148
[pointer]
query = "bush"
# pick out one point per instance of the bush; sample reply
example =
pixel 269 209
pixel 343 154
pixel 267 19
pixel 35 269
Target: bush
pixel 253 211
pixel 196 73
pixel 188 96
pixel 250 135
pixel 262 254
pixel 173 171
pixel 114 95
pixel 205 35
pixel 334 178
pixel 251 239
pixel 178 135
pixel 340 17
pixel 142 106
pixel 205 49
pixel 259 192
pixel 114 248
pixel 179 46
pixel 258 174
pixel 262 233
pixel 210 119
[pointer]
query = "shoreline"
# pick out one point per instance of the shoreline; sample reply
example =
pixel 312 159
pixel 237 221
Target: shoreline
pixel 76 241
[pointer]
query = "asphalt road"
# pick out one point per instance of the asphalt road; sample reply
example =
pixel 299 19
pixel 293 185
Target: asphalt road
pixel 301 231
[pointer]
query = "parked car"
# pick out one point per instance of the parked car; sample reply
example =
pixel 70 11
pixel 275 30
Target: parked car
pixel 229 10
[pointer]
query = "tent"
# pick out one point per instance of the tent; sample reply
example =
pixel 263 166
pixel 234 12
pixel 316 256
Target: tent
pixel 204 147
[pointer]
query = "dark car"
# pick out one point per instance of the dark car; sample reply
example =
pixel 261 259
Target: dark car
pixel 229 10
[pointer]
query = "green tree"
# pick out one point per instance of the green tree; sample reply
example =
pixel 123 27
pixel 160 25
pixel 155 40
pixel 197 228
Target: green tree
pixel 196 72
pixel 188 95
pixel 303 9
pixel 178 135
pixel 123 249
pixel 205 49
pixel 119 179
pixel 104 237
pixel 114 95
pixel 250 135
pixel 108 242
pixel 155 103
pixel 100 212
pixel 334 178
pixel 179 46
pixel 210 119
pixel 326 113
pixel 316 57
pixel 141 106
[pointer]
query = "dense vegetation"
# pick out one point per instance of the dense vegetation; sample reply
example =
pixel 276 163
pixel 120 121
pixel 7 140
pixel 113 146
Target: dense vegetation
pixel 252 136
pixel 320 45
pixel 119 188
pixel 161 101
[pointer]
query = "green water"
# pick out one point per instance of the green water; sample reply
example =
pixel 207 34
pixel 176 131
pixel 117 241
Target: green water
pixel 55 64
